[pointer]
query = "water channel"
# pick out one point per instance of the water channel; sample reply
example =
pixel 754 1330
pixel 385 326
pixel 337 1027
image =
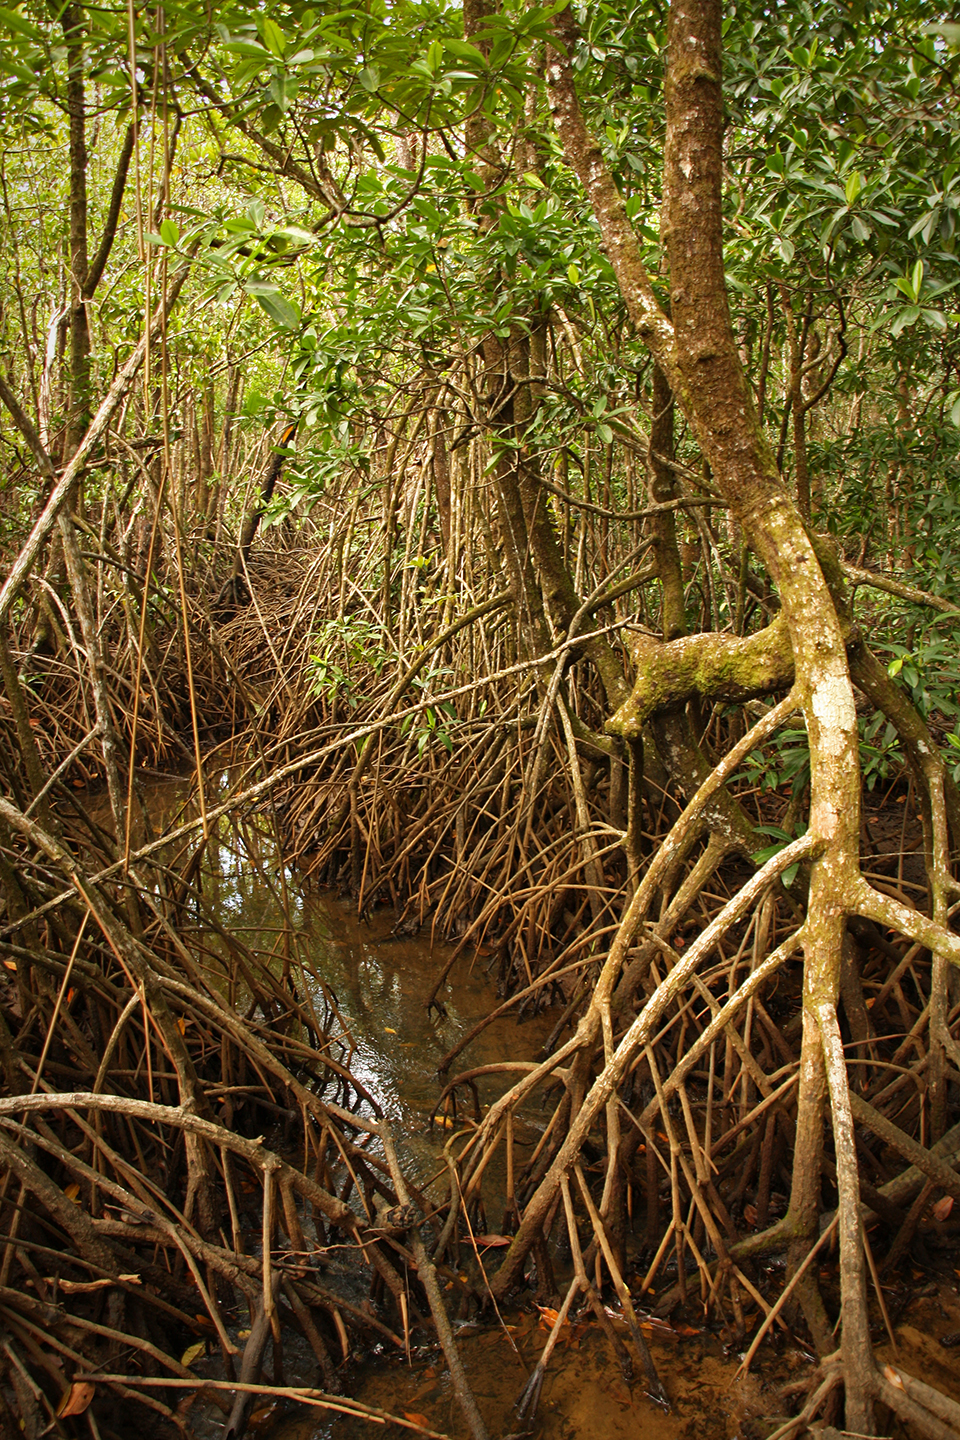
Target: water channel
pixel 381 984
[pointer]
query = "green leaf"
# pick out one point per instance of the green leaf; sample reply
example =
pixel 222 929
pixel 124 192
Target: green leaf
pixel 434 57
pixel 760 857
pixel 169 232
pixel 282 90
pixel 281 310
pixel 906 317
pixel 853 186
pixel 14 21
pixel 249 49
pixel 272 36
pixel 916 278
pixel 573 274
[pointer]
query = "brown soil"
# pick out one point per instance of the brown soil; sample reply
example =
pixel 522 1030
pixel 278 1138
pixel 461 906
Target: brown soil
pixel 585 1397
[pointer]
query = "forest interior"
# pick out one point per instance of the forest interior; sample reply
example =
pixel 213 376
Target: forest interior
pixel 501 460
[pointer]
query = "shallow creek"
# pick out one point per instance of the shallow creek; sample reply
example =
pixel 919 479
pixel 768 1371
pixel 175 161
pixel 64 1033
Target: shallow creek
pixel 381 984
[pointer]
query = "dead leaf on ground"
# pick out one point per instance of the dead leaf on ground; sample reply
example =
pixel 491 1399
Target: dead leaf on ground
pixel 943 1207
pixel 193 1352
pixel 416 1418
pixel 261 1417
pixel 77 1399
pixel 662 1329
pixel 549 1317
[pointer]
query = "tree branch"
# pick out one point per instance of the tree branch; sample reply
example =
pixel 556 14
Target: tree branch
pixel 97 265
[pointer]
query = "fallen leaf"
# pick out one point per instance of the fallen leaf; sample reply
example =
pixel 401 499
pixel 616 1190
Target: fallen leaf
pixel 193 1352
pixel 182 1025
pixel 415 1418
pixel 388 1030
pixel 76 1399
pixel 10 964
pixel 750 1214
pixel 943 1207
pixel 686 1331
pixel 892 1376
pixel 493 1241
pixel 549 1318
pixel 72 1192
pixel 243 1334
pixel 262 1416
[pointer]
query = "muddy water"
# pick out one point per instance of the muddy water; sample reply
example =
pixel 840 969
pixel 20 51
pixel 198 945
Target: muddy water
pixel 381 985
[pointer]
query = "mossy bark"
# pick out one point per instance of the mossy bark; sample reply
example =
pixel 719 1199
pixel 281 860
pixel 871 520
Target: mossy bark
pixel 712 666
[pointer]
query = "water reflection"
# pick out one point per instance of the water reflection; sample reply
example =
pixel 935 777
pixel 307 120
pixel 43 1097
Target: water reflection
pixel 379 984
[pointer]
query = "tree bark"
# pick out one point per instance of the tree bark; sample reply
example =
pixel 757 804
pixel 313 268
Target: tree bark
pixel 698 354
